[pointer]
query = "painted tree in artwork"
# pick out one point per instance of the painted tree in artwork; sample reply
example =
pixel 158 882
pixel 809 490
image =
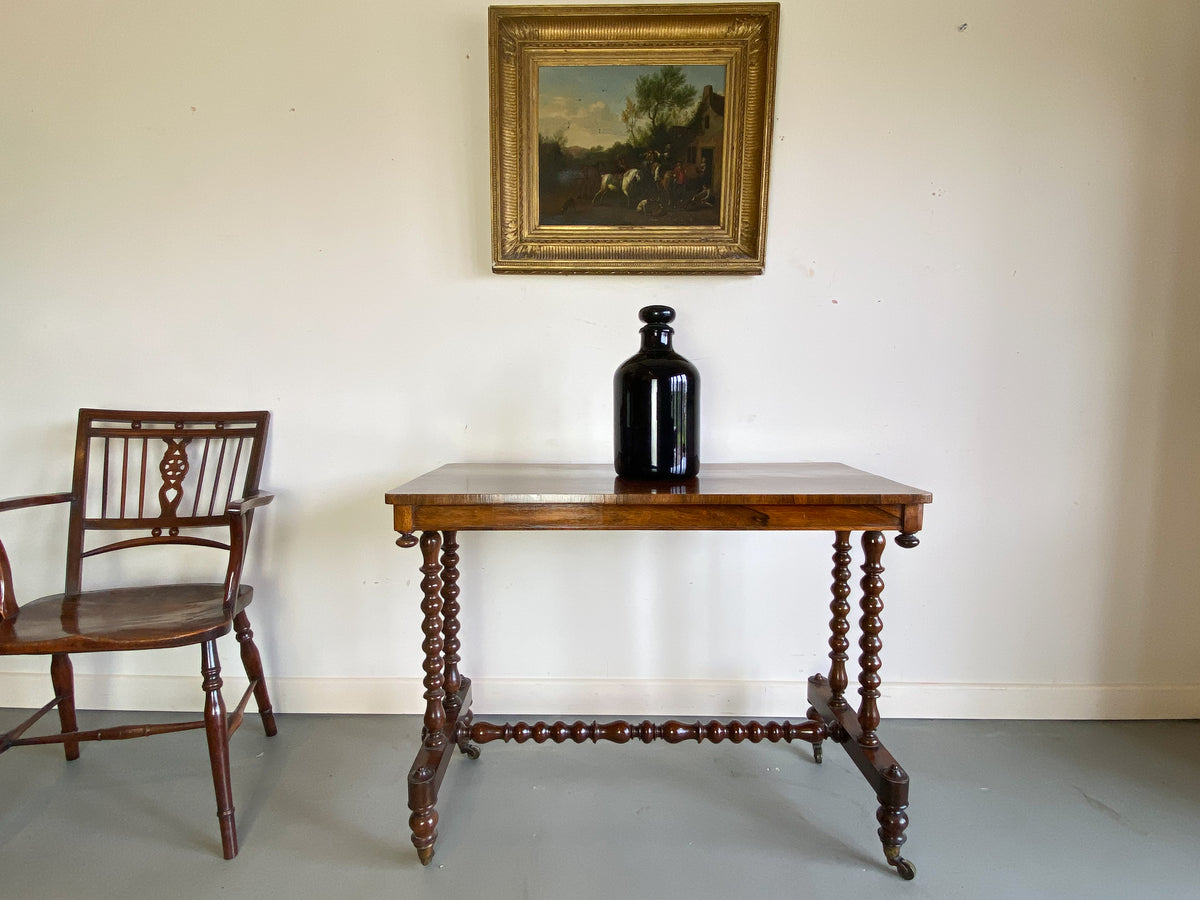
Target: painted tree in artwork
pixel 660 100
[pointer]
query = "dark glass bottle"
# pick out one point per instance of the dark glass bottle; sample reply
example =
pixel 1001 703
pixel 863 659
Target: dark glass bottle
pixel 656 402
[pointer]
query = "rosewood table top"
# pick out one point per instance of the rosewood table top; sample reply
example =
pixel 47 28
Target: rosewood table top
pixel 751 496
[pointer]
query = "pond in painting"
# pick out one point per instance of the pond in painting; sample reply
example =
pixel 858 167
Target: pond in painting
pixel 630 145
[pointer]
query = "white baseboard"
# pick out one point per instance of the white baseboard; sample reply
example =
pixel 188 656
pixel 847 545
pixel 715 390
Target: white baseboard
pixel 603 697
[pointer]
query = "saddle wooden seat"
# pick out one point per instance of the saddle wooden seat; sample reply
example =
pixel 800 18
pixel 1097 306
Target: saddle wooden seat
pixel 150 479
pixel 138 618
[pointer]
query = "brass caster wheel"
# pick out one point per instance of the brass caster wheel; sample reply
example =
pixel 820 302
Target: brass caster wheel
pixel 818 753
pixel 470 751
pixel 905 869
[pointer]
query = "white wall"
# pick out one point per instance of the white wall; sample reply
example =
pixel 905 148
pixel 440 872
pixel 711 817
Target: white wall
pixel 982 277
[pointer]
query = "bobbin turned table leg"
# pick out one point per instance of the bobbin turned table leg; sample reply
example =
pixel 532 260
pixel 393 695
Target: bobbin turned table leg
pixel 447 693
pixel 870 643
pixel 450 626
pixel 854 729
pixel 423 778
pixel 839 626
pixel 456 685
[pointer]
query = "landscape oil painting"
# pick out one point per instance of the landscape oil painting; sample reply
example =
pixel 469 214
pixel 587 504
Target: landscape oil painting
pixel 631 139
pixel 630 145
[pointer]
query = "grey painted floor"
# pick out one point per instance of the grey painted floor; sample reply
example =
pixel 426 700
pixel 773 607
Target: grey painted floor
pixel 999 809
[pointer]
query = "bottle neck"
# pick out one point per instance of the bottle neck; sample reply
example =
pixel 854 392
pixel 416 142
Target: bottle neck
pixel 657 337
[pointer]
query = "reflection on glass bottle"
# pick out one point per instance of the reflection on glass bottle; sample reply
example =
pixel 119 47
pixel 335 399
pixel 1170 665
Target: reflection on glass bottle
pixel 656 401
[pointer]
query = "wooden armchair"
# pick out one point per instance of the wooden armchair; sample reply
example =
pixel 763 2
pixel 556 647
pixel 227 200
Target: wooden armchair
pixel 144 479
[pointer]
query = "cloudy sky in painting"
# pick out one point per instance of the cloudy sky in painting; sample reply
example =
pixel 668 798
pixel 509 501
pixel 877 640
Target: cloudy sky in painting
pixel 589 100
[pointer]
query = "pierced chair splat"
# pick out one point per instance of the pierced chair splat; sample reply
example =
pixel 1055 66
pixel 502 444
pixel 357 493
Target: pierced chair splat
pixel 150 479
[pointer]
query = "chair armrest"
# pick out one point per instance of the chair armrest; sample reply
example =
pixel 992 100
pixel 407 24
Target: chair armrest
pixel 34 500
pixel 239 525
pixel 8 602
pixel 250 501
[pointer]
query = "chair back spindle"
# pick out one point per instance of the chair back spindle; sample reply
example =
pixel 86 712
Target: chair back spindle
pixel 159 478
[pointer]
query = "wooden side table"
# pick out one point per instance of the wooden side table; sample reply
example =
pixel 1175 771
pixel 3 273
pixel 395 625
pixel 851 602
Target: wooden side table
pixel 431 510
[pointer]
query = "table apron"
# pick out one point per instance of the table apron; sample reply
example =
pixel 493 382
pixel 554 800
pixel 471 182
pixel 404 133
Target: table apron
pixel 654 517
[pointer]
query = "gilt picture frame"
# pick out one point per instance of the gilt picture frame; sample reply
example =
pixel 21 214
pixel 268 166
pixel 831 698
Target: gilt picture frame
pixel 631 139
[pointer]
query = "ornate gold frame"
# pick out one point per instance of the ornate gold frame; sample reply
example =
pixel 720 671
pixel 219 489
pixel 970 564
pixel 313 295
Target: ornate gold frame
pixel 743 37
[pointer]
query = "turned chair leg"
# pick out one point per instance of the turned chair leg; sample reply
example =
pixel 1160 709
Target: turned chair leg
pixel 254 671
pixel 215 726
pixel 63 676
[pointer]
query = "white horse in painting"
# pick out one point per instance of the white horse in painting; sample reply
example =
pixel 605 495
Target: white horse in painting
pixel 627 183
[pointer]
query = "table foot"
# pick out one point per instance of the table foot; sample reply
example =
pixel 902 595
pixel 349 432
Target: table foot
pixel 878 767
pixel 893 820
pixel 905 868
pixel 425 777
pixel 422 795
pixel 814 716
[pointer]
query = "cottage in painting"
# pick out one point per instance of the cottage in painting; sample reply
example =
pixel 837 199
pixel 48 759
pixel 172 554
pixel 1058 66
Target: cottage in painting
pixel 707 132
